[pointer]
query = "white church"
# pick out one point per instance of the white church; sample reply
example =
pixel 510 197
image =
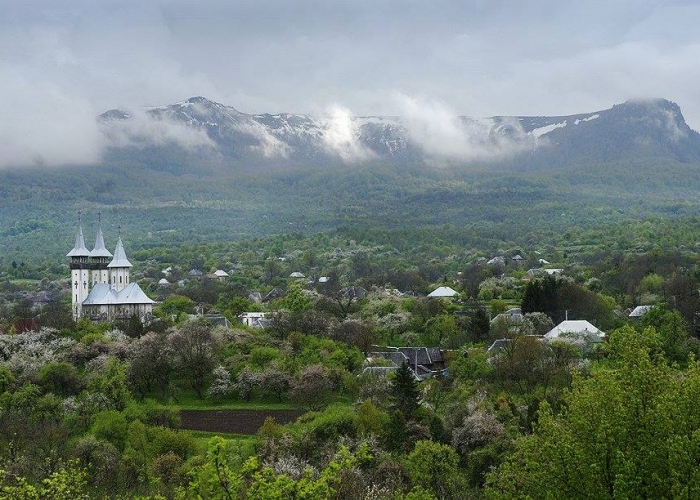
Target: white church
pixel 101 289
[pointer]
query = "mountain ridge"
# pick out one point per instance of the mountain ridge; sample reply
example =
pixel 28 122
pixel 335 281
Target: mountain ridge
pixel 210 133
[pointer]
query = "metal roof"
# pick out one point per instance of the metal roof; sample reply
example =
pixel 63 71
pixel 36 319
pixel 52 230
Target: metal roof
pixel 119 259
pixel 79 249
pixel 576 327
pixel 103 294
pixel 443 291
pixel 100 250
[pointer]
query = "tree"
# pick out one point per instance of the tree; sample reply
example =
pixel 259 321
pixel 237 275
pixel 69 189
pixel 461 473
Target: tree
pixel 436 466
pixel 312 387
pixel 628 431
pixel 479 325
pixel 221 385
pixel 195 350
pixel 296 300
pixel 151 363
pixel 405 394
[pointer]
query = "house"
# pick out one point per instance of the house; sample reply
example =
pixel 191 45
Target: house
pixel 553 272
pixel 575 329
pixel 253 319
pixel 497 261
pixel 195 273
pixel 442 292
pixel 639 311
pixel 512 317
pixel 220 275
pixel 424 362
pixel 163 283
pixel 297 275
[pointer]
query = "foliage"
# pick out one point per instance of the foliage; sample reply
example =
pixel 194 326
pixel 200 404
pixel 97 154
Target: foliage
pixel 405 394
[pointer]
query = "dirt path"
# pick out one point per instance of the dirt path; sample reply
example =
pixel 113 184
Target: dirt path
pixel 233 421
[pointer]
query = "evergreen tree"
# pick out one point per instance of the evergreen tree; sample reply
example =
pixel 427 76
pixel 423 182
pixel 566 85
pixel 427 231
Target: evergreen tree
pixel 405 391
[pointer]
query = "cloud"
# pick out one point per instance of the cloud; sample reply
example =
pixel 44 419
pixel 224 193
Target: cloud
pixel 341 136
pixel 269 145
pixel 444 136
pixel 143 129
pixel 43 123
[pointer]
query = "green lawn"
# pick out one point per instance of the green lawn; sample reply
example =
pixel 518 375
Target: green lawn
pixel 189 401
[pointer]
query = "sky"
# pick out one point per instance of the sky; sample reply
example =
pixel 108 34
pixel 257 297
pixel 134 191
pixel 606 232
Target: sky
pixel 64 62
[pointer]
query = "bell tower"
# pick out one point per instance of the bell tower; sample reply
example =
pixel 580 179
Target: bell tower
pixel 99 257
pixel 80 272
pixel 119 268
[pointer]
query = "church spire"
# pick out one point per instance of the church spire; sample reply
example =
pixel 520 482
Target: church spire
pixel 119 259
pixel 79 249
pixel 100 249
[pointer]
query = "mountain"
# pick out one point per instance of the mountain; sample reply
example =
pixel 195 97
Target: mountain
pixel 206 136
pixel 202 172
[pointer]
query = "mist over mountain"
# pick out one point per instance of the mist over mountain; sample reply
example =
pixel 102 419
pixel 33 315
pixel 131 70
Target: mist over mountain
pixel 200 171
pixel 205 135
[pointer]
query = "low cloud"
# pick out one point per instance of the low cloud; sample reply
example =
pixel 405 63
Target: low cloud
pixel 268 145
pixel 444 136
pixel 42 125
pixel 341 136
pixel 144 129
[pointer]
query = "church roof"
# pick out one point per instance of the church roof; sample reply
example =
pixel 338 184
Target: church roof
pixel 79 249
pixel 102 295
pixel 119 259
pixel 100 250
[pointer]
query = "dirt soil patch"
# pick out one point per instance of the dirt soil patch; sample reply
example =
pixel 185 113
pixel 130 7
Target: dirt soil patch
pixel 233 421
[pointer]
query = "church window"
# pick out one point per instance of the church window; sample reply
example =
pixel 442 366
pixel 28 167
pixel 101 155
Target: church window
pixel 120 280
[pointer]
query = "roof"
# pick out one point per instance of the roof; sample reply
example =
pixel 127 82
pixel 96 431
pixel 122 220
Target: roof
pixel 324 279
pixel 416 355
pixel 163 281
pixel 221 274
pixel 297 274
pixel 397 358
pixel 639 311
pixel 119 259
pixel 575 327
pixel 100 250
pixel 552 272
pixel 443 291
pixel 380 371
pixel 79 249
pixel 103 294
pixel 512 316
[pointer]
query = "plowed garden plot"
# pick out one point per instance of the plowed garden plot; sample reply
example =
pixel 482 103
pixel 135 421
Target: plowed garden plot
pixel 233 421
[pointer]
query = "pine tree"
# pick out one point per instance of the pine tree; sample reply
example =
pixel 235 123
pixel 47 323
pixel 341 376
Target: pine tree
pixel 405 391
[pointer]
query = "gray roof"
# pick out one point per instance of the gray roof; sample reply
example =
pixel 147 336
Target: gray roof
pixel 79 249
pixel 100 250
pixel 380 371
pixel 119 259
pixel 397 358
pixel 640 311
pixel 416 355
pixel 102 294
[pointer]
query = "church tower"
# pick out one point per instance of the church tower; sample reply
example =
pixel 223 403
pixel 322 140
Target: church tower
pixel 99 259
pixel 80 273
pixel 119 268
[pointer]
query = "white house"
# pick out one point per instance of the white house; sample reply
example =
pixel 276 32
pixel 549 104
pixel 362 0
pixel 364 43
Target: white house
pixel 442 292
pixel 574 328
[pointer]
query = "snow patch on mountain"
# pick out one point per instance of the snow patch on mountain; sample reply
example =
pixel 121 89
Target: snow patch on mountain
pixel 539 132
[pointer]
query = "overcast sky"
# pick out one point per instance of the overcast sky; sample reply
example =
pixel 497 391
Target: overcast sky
pixel 63 62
